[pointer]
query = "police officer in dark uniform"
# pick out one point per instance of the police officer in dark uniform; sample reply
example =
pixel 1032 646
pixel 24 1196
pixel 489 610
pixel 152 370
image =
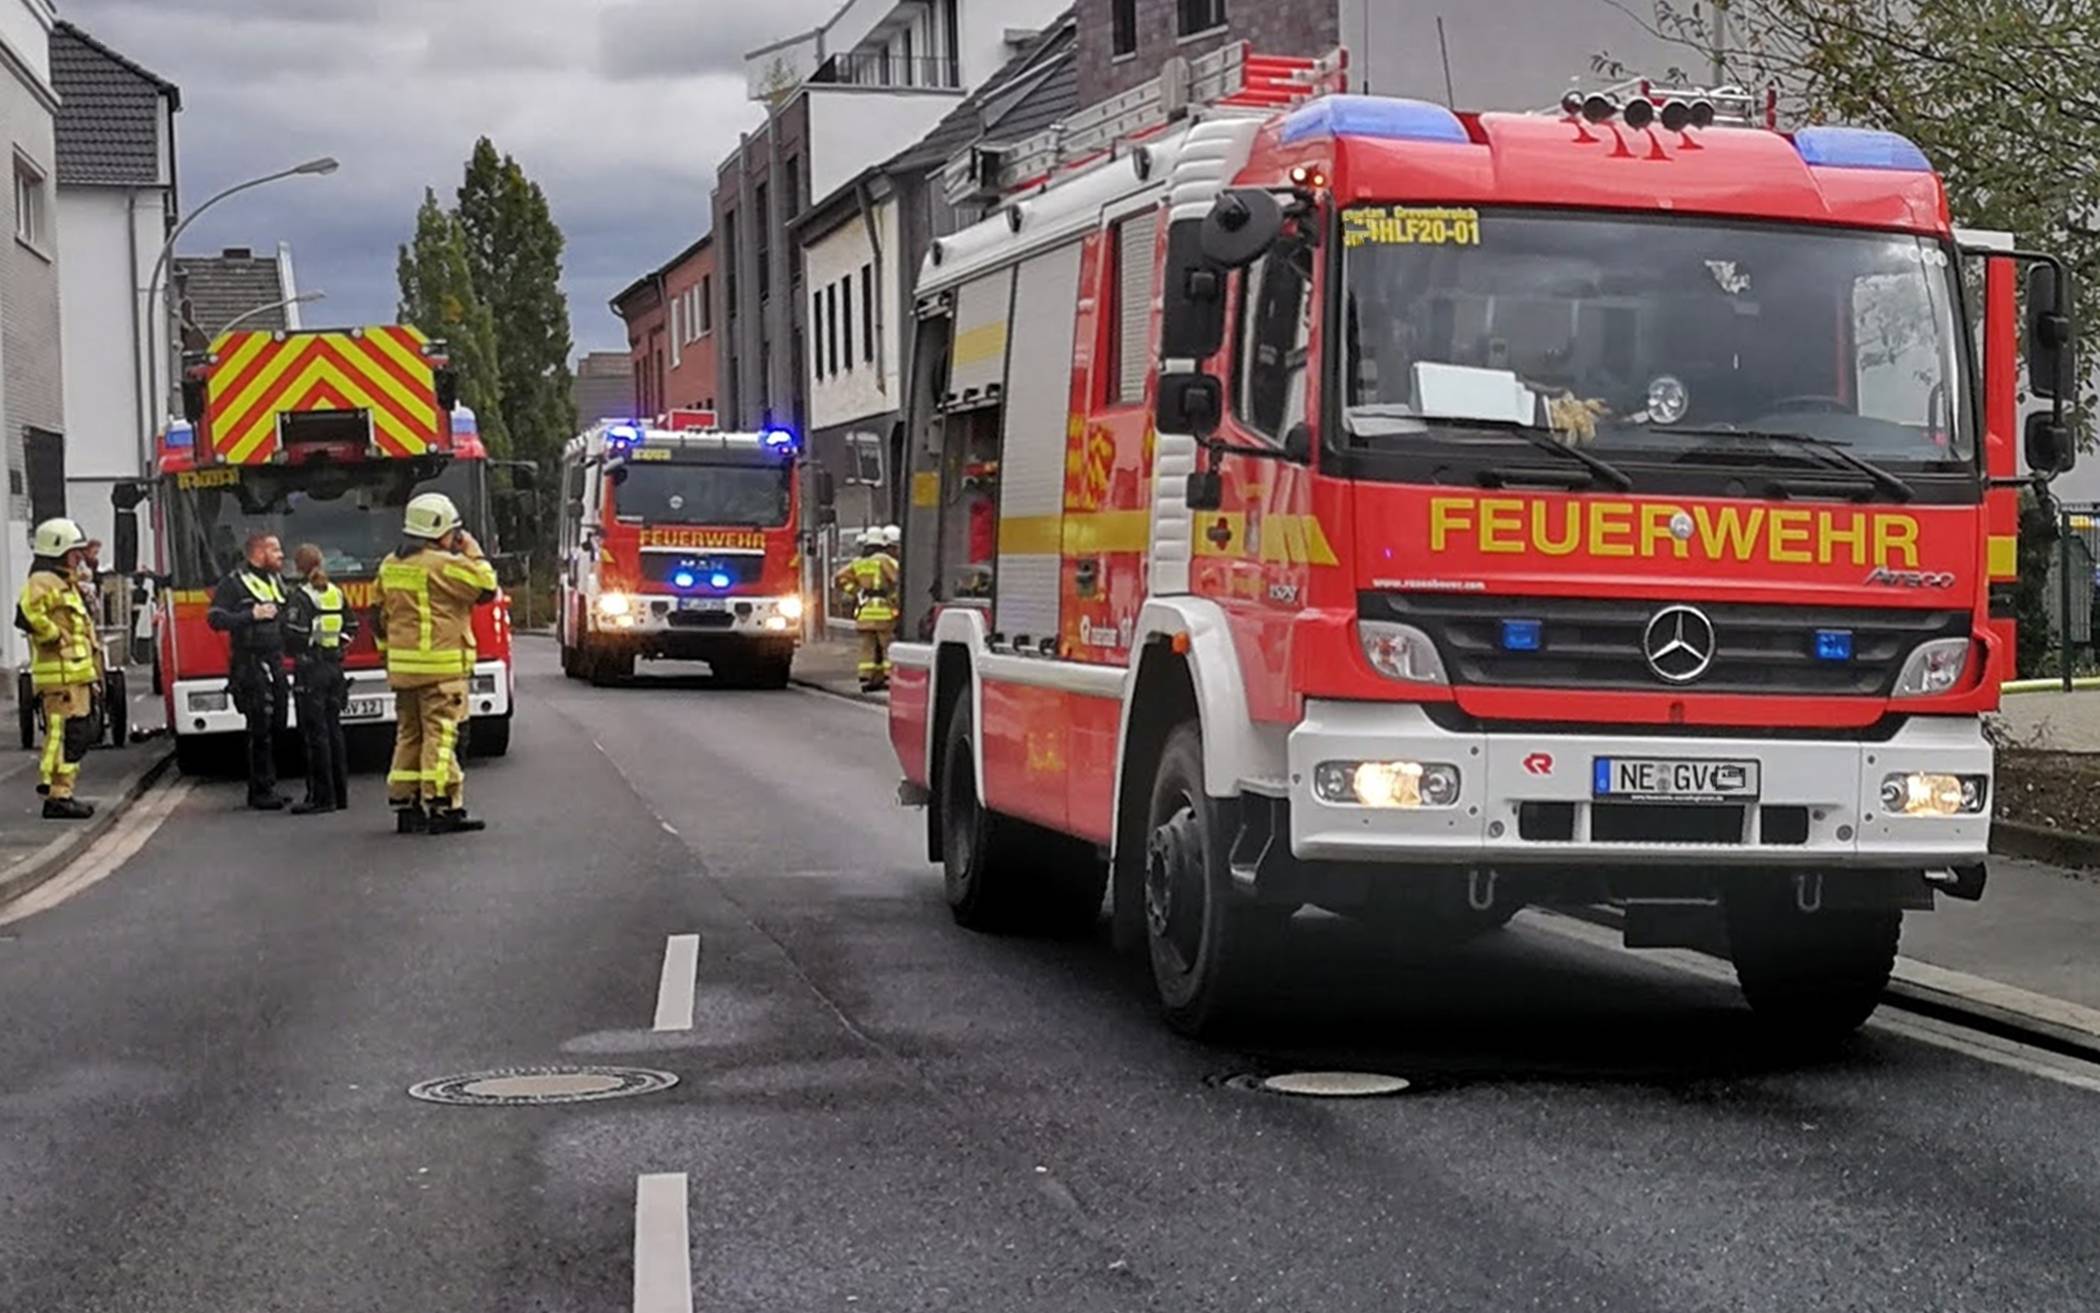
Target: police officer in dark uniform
pixel 319 627
pixel 249 608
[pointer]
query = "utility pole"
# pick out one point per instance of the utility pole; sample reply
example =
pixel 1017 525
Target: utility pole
pixel 1720 42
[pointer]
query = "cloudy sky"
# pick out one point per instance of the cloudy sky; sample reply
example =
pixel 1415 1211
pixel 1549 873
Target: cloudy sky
pixel 621 109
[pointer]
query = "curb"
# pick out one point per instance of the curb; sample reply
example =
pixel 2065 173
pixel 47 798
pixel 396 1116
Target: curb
pixel 2041 844
pixel 852 695
pixel 49 860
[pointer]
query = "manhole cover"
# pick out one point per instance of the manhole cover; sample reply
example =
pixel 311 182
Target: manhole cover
pixel 516 1087
pixel 1335 1084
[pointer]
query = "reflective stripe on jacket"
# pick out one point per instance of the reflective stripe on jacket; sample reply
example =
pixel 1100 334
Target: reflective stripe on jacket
pixel 426 614
pixel 61 635
pixel 874 581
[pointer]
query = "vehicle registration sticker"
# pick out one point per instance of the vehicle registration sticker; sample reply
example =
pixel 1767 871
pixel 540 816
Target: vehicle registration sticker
pixel 703 604
pixel 364 709
pixel 1674 779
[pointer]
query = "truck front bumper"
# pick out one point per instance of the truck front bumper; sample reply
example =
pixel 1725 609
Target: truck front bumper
pixel 204 706
pixel 1526 798
pixel 652 617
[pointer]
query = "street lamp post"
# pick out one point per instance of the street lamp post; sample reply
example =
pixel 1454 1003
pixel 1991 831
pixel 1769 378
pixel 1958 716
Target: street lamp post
pixel 304 298
pixel 316 168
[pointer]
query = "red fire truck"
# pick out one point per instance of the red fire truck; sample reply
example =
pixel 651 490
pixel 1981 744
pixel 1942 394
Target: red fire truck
pixel 317 437
pixel 680 544
pixel 1444 513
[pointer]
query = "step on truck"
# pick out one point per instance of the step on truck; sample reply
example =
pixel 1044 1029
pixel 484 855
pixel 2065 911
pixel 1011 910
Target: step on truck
pixel 683 544
pixel 321 437
pixel 1335 500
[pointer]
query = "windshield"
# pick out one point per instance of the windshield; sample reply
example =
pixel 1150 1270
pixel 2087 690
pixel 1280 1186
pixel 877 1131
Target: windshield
pixel 351 512
pixel 1639 336
pixel 669 493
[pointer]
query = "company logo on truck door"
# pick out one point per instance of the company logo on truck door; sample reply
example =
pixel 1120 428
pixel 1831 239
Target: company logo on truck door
pixel 1602 528
pixel 746 540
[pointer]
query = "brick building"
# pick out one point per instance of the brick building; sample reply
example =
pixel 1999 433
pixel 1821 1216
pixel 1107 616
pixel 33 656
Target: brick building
pixel 670 318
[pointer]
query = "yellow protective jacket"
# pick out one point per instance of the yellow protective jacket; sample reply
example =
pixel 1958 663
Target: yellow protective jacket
pixel 61 634
pixel 873 582
pixel 425 613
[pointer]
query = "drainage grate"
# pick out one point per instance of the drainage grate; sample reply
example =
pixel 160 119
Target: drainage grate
pixel 524 1087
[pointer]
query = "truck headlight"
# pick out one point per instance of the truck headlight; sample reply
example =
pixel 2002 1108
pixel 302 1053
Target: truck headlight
pixel 1934 667
pixel 613 604
pixel 1926 793
pixel 1386 783
pixel 791 607
pixel 1401 652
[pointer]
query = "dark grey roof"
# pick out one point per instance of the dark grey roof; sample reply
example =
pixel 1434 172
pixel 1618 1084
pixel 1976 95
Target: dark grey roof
pixel 1033 90
pixel 217 289
pixel 109 113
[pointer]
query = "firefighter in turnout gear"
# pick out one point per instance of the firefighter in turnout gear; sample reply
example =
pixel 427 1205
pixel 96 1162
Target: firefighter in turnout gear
pixel 871 580
pixel 319 629
pixel 248 608
pixel 62 665
pixel 427 593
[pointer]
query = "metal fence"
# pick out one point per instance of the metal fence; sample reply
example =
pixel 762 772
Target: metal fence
pixel 2074 581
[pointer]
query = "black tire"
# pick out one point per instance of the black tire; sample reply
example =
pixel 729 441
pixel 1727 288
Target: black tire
pixel 774 671
pixel 489 736
pixel 116 701
pixel 26 710
pixel 570 665
pixel 1812 977
pixel 1003 875
pixel 198 757
pixel 1203 937
pixel 609 667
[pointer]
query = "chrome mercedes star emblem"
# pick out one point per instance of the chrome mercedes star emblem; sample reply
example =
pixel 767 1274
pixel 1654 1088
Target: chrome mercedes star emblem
pixel 1681 526
pixel 1679 643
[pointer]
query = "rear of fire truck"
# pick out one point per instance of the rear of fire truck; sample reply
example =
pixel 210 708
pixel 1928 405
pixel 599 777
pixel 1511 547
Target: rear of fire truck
pixel 319 437
pixel 680 544
pixel 1613 506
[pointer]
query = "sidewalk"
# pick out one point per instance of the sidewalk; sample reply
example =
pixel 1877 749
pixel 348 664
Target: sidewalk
pixel 832 664
pixel 2037 928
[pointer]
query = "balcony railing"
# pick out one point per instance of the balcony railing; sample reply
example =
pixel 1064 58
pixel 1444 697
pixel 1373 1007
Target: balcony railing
pixel 883 69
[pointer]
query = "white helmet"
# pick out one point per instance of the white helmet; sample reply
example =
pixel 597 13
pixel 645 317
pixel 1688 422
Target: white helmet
pixel 430 515
pixel 892 536
pixel 869 537
pixel 56 537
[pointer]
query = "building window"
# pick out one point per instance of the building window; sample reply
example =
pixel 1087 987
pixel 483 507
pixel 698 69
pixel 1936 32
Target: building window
pixel 867 313
pixel 677 330
pixel 1200 15
pixel 816 331
pixel 707 304
pixel 1122 24
pixel 32 225
pixel 830 343
pixel 846 318
pixel 729 264
pixel 864 459
pixel 763 241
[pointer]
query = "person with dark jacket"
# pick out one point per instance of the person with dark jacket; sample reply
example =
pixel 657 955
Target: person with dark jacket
pixel 319 628
pixel 248 607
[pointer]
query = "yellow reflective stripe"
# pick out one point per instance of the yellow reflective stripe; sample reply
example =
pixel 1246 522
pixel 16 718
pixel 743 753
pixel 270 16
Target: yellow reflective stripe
pixel 478 573
pixel 429 663
pixel 404 777
pixel 54 747
pixel 262 590
pixel 398 575
pixel 448 766
pixel 2004 556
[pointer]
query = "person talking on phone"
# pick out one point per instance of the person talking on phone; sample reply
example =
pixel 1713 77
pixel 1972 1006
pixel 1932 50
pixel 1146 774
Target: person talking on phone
pixel 248 608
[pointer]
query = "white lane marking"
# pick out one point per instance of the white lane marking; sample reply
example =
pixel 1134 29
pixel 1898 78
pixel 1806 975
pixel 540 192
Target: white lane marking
pixel 674 991
pixel 114 847
pixel 663 1260
pixel 1974 1044
pixel 669 828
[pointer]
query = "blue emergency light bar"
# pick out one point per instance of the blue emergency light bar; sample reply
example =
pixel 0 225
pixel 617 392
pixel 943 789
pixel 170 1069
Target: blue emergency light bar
pixel 181 434
pixel 1859 148
pixel 778 439
pixel 1380 118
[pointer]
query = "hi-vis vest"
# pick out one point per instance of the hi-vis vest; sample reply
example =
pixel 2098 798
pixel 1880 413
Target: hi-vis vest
pixel 263 588
pixel 873 579
pixel 328 604
pixel 61 636
pixel 426 615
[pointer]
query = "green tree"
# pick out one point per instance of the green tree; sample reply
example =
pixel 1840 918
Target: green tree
pixel 514 258
pixel 438 296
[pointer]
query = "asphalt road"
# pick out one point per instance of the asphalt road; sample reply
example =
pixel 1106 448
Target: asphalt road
pixel 204 1058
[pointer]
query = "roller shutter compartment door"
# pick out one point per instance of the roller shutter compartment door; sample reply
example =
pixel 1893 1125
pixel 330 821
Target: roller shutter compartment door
pixel 977 364
pixel 1032 447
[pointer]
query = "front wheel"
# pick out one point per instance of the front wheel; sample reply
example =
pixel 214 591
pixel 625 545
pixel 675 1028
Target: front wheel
pixel 116 702
pixel 1202 936
pixel 489 736
pixel 1004 875
pixel 1812 976
pixel 608 666
pixel 26 709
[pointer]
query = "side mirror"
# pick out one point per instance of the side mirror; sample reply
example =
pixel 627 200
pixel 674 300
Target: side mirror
pixel 827 515
pixel 193 400
pixel 1242 226
pixel 1206 490
pixel 125 548
pixel 2051 448
pixel 826 489
pixel 524 475
pixel 1192 315
pixel 447 389
pixel 126 494
pixel 2051 345
pixel 1190 403
pixel 1298 444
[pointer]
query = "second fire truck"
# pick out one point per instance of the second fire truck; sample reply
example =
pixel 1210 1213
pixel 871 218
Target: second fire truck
pixel 1433 514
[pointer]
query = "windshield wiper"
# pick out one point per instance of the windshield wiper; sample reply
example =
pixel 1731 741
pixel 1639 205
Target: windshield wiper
pixel 1544 441
pixel 1835 450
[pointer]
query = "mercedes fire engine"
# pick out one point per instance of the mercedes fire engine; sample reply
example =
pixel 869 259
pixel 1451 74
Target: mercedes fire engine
pixel 680 544
pixel 319 437
pixel 1443 513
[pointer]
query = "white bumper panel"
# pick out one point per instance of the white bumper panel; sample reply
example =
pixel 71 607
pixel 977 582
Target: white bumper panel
pixel 1837 781
pixel 652 614
pixel 203 706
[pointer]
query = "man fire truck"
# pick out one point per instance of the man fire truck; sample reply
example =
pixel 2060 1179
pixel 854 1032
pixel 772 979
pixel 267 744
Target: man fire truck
pixel 321 437
pixel 680 544
pixel 1598 506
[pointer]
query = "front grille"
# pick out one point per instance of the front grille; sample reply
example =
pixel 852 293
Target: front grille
pixel 1641 822
pixel 1595 643
pixel 663 568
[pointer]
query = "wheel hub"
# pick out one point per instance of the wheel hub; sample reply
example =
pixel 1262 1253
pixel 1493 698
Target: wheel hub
pixel 1174 890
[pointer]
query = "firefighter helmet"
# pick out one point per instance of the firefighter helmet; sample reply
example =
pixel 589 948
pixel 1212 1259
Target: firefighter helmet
pixel 869 537
pixel 430 515
pixel 892 535
pixel 56 537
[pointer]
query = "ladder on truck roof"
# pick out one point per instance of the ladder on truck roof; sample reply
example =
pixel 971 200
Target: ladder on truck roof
pixel 1232 77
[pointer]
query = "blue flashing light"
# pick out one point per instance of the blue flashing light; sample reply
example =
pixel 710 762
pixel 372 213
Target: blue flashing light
pixel 684 579
pixel 1833 645
pixel 719 579
pixel 1859 148
pixel 1522 635
pixel 1381 118
pixel 778 439
pixel 622 435
pixel 180 434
